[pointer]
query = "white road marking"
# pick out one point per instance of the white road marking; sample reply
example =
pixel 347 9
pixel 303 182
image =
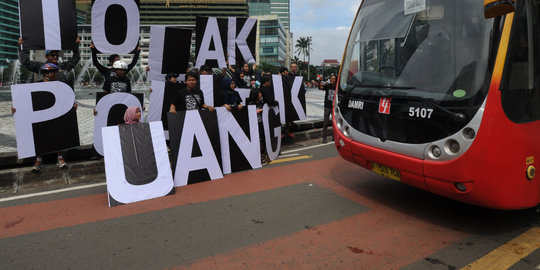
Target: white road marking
pixel 50 192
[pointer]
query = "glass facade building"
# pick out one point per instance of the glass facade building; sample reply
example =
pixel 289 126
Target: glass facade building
pixel 273 44
pixel 272 41
pixel 281 8
pixel 183 12
pixel 9 30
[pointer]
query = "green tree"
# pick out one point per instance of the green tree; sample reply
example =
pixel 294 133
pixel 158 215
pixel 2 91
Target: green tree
pixel 303 46
pixel 295 60
pixel 269 68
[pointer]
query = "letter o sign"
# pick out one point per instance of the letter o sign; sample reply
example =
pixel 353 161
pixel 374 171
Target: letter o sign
pixel 99 26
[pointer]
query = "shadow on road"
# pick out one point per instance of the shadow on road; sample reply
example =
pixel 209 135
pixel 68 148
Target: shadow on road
pixel 433 208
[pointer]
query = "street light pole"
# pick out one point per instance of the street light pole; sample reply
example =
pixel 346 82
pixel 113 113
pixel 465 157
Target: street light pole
pixel 309 58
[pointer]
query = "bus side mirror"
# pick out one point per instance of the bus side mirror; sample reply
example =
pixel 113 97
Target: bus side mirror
pixel 496 8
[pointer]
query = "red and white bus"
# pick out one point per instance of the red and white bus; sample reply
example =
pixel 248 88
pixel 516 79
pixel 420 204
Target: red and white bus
pixel 435 95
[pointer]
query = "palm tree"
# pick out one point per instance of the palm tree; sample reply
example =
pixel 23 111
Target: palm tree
pixel 303 46
pixel 296 60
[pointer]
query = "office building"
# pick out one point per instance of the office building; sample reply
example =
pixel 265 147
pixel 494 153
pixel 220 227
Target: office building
pixel 272 41
pixel 281 8
pixel 9 30
pixel 182 12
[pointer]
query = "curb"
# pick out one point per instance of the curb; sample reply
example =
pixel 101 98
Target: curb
pixel 19 177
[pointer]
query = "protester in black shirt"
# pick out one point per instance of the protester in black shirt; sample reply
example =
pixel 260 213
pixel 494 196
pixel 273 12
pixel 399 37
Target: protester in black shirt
pixel 245 79
pixel 216 80
pixel 190 97
pixel 52 57
pixel 267 91
pixel 256 98
pixel 50 73
pixel 119 82
pixel 231 97
pixel 108 72
pixel 294 70
pixel 329 89
pixel 283 71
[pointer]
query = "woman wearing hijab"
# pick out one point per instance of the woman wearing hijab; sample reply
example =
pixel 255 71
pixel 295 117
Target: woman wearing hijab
pixel 231 97
pixel 132 115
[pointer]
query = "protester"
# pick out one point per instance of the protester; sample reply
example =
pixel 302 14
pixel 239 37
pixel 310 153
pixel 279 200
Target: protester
pixel 259 74
pixel 256 98
pixel 242 83
pixel 190 98
pixel 246 78
pixel 294 70
pixel 289 80
pixel 132 115
pixel 231 97
pixel 329 89
pixel 283 71
pixel 108 72
pixel 267 91
pixel 216 82
pixel 50 73
pixel 119 82
pixel 171 77
pixel 52 56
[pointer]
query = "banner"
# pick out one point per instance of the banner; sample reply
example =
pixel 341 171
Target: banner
pixel 272 131
pixel 161 98
pixel 195 147
pixel 136 163
pixel 169 51
pixel 48 24
pixel 115 26
pixel 289 91
pixel 239 135
pixel 45 118
pixel 217 38
pixel 110 110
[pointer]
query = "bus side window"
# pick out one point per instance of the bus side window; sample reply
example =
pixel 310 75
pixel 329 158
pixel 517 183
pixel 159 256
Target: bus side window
pixel 520 85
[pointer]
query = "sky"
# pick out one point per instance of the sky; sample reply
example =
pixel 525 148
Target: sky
pixel 327 22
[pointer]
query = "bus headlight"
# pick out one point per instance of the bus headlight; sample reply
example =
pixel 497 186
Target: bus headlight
pixel 339 123
pixel 436 151
pixel 469 133
pixel 347 131
pixel 452 147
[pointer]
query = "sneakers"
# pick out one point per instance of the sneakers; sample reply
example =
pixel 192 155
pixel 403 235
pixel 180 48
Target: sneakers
pixel 61 163
pixel 324 140
pixel 265 160
pixel 37 166
pixel 289 134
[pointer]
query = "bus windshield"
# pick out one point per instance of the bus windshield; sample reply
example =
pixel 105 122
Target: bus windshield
pixel 433 49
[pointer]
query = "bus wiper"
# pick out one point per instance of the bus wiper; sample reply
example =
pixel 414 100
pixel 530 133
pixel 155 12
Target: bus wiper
pixel 455 116
pixel 385 86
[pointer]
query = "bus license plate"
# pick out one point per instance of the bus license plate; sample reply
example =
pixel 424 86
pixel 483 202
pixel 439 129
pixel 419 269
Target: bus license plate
pixel 385 171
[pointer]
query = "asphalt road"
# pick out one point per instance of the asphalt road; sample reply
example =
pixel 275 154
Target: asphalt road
pixel 309 210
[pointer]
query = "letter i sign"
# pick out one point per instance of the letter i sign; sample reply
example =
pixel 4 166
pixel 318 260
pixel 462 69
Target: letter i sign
pixel 384 105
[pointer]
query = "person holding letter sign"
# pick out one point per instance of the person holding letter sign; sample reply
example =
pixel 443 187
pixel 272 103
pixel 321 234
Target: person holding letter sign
pixel 329 90
pixel 119 82
pixel 109 72
pixel 132 116
pixel 231 97
pixel 50 73
pixel 191 97
pixel 52 57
